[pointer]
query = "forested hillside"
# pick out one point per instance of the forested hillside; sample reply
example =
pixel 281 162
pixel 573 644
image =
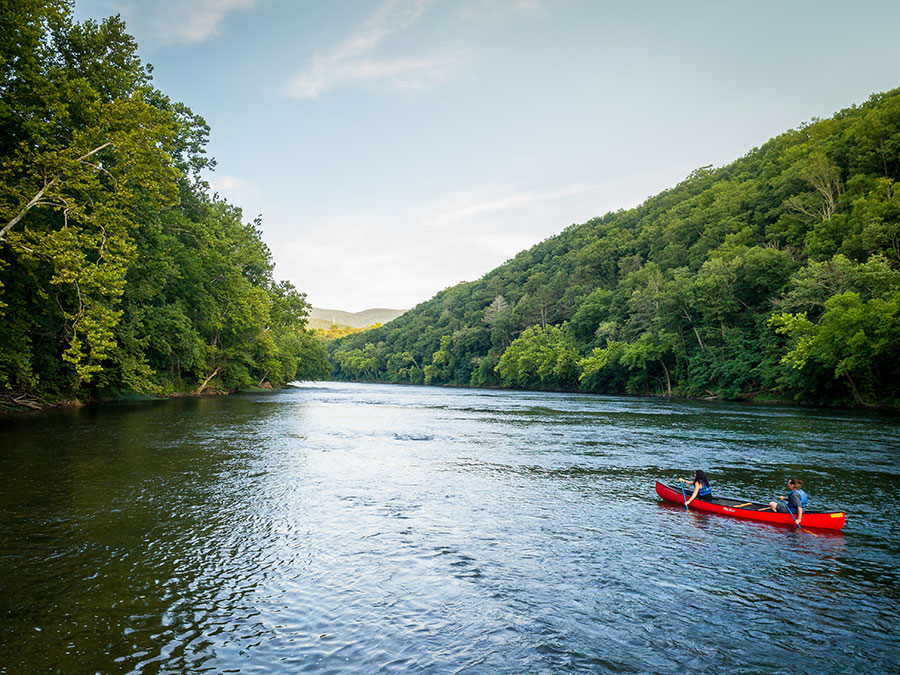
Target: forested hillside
pixel 775 276
pixel 118 271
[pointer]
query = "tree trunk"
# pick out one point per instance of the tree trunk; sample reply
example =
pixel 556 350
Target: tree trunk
pixel 668 379
pixel 206 381
pixel 856 394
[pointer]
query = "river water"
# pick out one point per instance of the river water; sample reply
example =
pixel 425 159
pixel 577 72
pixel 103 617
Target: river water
pixel 341 527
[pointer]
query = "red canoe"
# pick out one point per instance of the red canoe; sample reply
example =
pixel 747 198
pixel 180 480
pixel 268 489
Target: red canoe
pixel 752 510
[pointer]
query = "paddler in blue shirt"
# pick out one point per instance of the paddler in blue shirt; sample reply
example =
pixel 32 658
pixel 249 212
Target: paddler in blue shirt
pixel 702 488
pixel 795 501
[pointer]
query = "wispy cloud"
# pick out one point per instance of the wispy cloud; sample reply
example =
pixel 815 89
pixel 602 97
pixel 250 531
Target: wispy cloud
pixel 198 20
pixel 177 21
pixel 403 259
pixel 495 11
pixel 457 208
pixel 353 59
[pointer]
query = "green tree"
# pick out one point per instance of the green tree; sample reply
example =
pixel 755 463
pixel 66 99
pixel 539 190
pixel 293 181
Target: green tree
pixel 442 364
pixel 856 340
pixel 540 358
pixel 117 270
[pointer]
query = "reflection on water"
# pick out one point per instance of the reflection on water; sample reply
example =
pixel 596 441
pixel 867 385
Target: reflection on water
pixel 379 528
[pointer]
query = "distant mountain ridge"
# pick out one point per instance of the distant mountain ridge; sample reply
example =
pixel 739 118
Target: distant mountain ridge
pixel 323 318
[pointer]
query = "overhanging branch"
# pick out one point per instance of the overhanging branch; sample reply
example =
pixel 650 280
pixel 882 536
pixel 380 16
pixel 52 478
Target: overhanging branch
pixel 37 199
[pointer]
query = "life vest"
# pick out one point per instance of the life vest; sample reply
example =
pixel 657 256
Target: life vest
pixel 705 490
pixel 801 494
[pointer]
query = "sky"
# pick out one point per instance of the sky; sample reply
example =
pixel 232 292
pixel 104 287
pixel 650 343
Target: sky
pixel 397 147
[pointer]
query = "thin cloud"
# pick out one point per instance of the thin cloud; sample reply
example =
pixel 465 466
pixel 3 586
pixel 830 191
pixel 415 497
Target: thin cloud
pixel 177 21
pixel 352 61
pixel 458 208
pixel 403 260
pixel 495 11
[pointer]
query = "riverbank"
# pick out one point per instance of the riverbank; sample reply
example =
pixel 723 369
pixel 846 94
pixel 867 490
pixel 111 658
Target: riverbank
pixel 749 397
pixel 19 402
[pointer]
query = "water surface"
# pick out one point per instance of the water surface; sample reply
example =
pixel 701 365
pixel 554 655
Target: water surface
pixel 376 528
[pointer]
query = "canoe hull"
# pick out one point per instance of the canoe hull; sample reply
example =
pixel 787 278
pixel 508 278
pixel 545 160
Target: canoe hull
pixel 729 507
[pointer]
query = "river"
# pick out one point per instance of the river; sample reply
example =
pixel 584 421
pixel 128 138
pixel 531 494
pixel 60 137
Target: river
pixel 337 527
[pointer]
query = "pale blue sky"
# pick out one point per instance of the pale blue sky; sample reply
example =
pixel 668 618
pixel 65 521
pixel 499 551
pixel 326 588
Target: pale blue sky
pixel 397 147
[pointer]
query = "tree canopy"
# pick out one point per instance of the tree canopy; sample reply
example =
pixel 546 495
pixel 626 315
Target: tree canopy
pixel 119 272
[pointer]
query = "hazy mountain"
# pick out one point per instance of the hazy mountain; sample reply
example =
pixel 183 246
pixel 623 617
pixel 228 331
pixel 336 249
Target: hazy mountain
pixel 323 318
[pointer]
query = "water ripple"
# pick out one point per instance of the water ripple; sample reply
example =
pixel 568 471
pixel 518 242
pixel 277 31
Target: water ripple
pixel 364 528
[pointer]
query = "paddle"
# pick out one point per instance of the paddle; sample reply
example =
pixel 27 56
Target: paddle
pixel 787 505
pixel 684 496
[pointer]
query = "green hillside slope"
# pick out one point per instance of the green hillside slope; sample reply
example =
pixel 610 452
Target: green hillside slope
pixel 777 275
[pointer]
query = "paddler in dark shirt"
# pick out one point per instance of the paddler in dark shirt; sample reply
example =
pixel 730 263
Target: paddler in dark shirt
pixel 795 501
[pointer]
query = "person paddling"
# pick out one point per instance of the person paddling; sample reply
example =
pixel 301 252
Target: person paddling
pixel 795 501
pixel 702 488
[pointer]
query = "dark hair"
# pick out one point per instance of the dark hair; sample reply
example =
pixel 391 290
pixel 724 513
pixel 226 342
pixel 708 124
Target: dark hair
pixel 796 481
pixel 700 476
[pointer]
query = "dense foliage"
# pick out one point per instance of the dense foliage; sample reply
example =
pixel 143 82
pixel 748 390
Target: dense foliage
pixel 118 271
pixel 335 331
pixel 775 276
